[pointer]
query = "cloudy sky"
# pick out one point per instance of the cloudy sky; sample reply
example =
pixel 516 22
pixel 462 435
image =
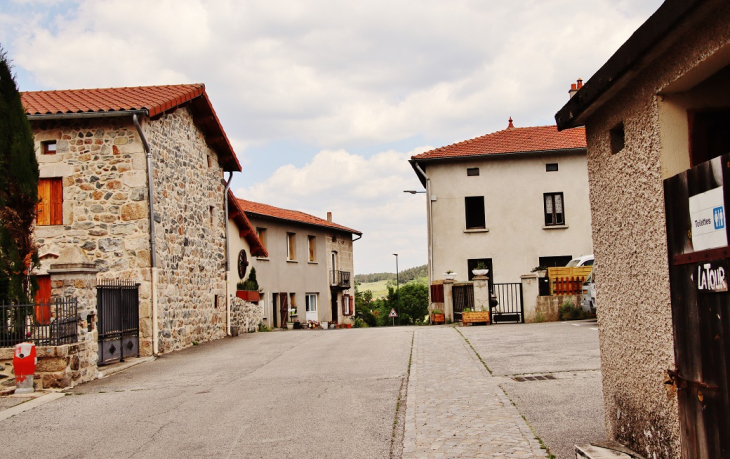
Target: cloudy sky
pixel 324 101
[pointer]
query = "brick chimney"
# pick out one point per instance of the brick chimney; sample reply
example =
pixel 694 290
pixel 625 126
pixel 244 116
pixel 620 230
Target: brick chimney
pixel 329 217
pixel 575 87
pixel 510 125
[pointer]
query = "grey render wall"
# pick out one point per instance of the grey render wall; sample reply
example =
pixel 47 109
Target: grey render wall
pixel 629 237
pixel 513 190
pixel 276 274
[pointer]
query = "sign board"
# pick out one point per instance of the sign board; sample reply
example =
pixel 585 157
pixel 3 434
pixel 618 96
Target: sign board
pixel 393 313
pixel 707 213
pixel 711 277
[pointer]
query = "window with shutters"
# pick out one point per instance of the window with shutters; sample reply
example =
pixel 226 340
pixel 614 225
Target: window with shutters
pixel 554 209
pixel 50 202
pixel 312 244
pixel 291 246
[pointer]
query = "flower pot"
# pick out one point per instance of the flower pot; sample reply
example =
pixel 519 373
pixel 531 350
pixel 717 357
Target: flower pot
pixel 450 276
pixel 348 325
pixel 290 325
pixel 480 272
pixel 438 318
pixel 324 325
pixel 252 296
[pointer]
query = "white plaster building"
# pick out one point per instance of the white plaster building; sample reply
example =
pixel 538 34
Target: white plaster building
pixel 514 199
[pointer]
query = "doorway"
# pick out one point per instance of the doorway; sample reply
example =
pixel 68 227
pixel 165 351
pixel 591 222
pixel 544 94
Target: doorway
pixel 334 307
pixel 274 312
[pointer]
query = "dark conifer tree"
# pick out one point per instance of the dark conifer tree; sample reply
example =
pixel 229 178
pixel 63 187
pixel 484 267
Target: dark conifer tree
pixel 18 192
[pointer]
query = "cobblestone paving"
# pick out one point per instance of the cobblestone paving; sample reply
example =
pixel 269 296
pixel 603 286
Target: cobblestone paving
pixel 455 408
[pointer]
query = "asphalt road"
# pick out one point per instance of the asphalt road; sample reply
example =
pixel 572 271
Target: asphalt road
pixel 563 411
pixel 303 394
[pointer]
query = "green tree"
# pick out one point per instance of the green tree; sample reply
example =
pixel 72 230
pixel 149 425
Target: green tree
pixel 364 305
pixel 18 192
pixel 413 303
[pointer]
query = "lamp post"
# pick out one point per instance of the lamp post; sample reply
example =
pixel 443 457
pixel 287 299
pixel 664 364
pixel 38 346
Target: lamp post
pixel 413 191
pixel 397 286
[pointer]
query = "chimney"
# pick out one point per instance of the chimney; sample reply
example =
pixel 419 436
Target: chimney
pixel 510 125
pixel 329 217
pixel 575 87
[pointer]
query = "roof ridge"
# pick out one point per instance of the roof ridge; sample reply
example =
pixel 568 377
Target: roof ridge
pixel 116 88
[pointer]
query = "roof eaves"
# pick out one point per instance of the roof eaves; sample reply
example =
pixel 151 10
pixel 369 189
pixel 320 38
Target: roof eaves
pixel 500 155
pixel 616 72
pixel 299 222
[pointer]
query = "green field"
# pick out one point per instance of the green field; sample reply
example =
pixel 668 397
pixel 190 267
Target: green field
pixel 380 288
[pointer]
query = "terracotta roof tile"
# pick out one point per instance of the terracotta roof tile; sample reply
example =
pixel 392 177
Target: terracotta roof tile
pixel 512 140
pixel 266 210
pixel 154 99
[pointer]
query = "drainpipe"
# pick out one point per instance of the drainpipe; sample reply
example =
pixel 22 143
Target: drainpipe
pixel 430 221
pixel 228 261
pixel 153 243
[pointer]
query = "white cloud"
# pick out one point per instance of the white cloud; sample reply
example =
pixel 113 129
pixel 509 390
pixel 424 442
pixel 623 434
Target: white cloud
pixel 365 194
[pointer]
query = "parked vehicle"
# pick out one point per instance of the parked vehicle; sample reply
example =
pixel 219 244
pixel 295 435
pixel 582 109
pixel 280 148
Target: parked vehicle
pixel 588 300
pixel 585 260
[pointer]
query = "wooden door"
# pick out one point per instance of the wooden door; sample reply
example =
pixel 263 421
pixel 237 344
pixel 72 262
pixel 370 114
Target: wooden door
pixel 698 270
pixel 43 300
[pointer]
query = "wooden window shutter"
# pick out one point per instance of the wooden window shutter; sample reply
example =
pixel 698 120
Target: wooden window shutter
pixel 43 210
pixel 56 201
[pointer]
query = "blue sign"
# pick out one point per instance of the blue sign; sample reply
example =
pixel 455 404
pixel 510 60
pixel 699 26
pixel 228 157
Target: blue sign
pixel 718 216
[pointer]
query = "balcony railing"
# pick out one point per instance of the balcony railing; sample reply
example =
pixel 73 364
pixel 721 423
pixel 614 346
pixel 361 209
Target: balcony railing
pixel 340 279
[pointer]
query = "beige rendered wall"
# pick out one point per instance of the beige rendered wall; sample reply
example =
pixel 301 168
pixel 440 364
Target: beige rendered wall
pixel 513 196
pixel 629 237
pixel 276 274
pixel 341 243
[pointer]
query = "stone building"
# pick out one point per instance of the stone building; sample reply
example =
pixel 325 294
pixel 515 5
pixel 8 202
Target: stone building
pixel 658 112
pixel 512 200
pixel 307 263
pixel 102 154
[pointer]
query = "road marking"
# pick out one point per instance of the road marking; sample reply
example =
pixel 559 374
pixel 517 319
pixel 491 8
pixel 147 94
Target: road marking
pixel 29 405
pixel 594 329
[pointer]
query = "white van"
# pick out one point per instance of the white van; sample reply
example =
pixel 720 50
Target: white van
pixel 585 260
pixel 588 301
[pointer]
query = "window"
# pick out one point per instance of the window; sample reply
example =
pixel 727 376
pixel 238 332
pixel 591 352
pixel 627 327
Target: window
pixel 617 138
pixel 472 263
pixel 474 212
pixel 311 300
pixel 346 305
pixel 50 202
pixel 554 212
pixel 48 147
pixel 551 167
pixel 312 242
pixel 709 135
pixel 472 171
pixel 261 233
pixel 210 161
pixel 291 246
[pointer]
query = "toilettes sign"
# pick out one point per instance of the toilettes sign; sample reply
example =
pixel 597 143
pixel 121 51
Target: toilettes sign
pixel 707 213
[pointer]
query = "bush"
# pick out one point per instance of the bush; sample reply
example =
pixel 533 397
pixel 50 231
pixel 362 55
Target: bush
pixel 359 323
pixel 569 311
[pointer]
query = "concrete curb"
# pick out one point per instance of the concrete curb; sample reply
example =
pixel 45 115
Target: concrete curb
pixel 121 366
pixel 29 405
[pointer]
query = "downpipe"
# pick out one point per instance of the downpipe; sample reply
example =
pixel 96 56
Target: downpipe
pixel 228 258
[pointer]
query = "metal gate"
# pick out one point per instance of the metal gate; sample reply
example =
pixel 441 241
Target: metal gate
pixel 117 304
pixel 509 306
pixel 698 270
pixel 463 299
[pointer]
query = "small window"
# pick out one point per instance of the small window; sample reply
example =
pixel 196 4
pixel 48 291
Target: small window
pixel 48 147
pixel 215 301
pixel 617 138
pixel 554 209
pixel 475 218
pixel 291 246
pixel 551 167
pixel 312 242
pixel 50 202
pixel 261 233
pixel 472 171
pixel 311 300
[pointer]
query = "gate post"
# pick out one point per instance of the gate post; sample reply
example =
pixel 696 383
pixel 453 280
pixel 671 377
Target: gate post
pixel 530 291
pixel 73 275
pixel 449 300
pixel 481 293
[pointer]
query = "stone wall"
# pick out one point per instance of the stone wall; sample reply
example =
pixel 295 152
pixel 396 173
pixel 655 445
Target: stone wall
pixel 548 307
pixel 245 316
pixel 190 233
pixel 58 367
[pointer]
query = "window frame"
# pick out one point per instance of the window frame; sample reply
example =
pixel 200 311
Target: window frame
pixel 261 234
pixel 50 213
pixel 469 212
pixel 308 302
pixel 45 147
pixel 312 248
pixel 291 246
pixel 553 214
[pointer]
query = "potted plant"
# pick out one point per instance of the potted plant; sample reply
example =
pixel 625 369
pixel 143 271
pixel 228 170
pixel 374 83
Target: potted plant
pixel 290 322
pixel 248 290
pixel 481 269
pixel 450 275
pixel 437 316
pixel 470 317
pixel 541 271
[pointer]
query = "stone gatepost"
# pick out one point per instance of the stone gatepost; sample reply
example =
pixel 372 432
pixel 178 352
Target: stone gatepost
pixel 448 300
pixel 481 293
pixel 73 275
pixel 530 292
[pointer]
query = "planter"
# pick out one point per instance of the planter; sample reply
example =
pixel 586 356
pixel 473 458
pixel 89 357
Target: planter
pixel 252 296
pixel 480 272
pixel 475 317
pixel 438 318
pixel 348 325
pixel 450 276
pixel 290 325
pixel 324 325
pixel 541 273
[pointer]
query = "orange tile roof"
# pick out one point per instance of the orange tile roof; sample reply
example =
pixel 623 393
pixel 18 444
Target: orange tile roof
pixel 266 210
pixel 155 100
pixel 512 140
pixel 245 229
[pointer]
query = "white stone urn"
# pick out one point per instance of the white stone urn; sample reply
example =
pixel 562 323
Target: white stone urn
pixel 450 276
pixel 480 272
pixel 290 325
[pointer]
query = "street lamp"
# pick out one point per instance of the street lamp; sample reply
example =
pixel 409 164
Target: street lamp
pixel 413 191
pixel 397 286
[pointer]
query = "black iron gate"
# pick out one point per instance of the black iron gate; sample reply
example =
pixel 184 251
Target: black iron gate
pixel 117 304
pixel 509 306
pixel 700 301
pixel 463 299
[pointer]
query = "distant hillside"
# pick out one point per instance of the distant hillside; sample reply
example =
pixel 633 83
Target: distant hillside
pixel 404 276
